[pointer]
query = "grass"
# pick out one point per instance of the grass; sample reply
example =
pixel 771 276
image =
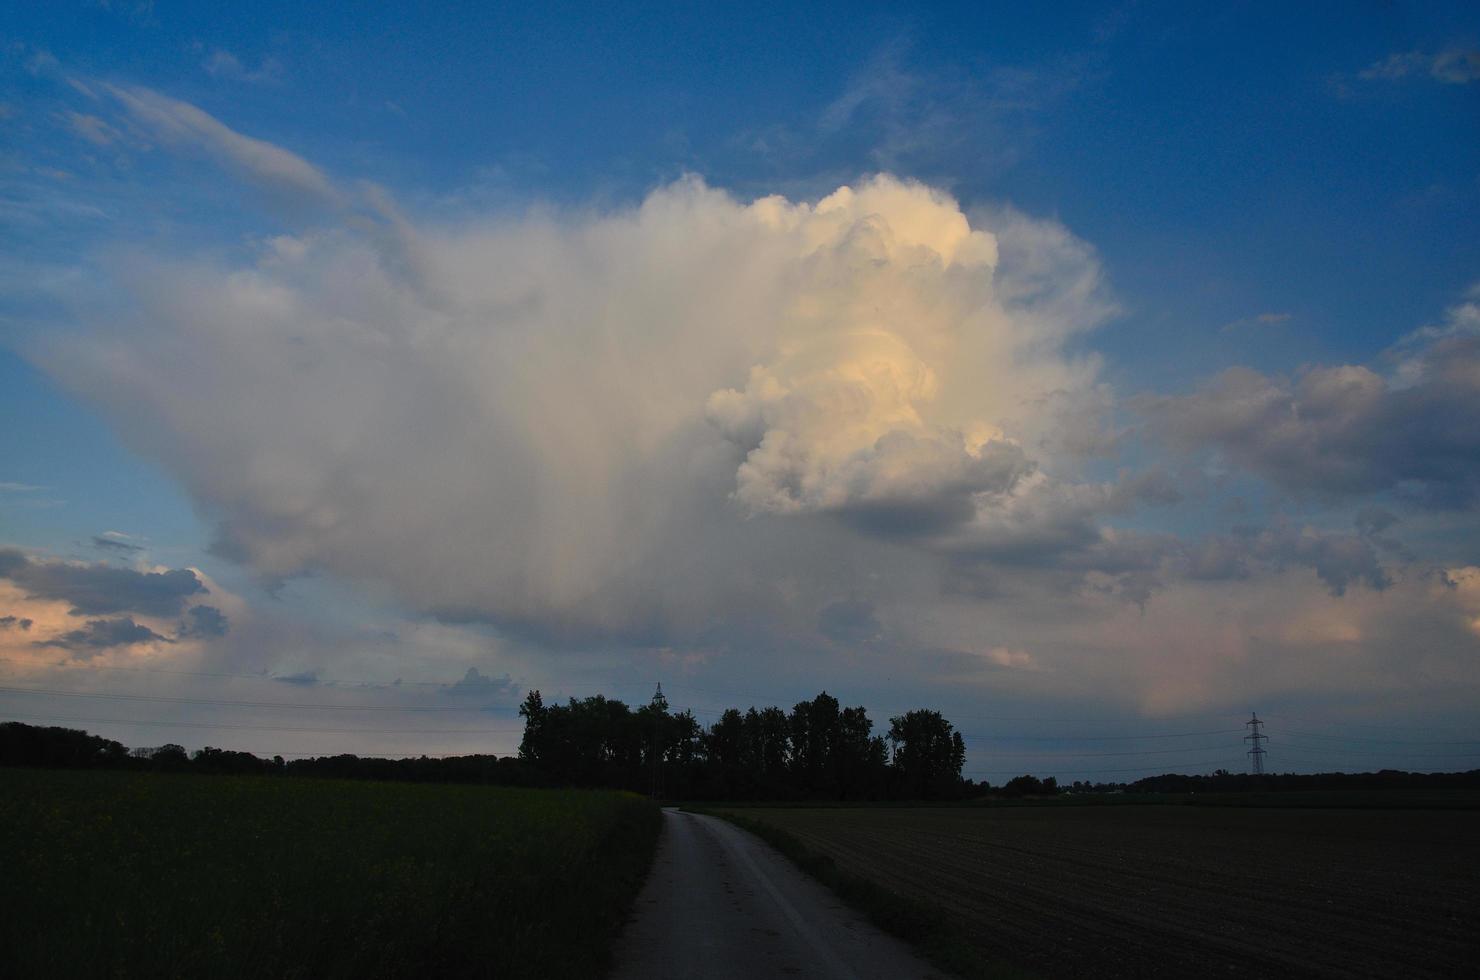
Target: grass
pixel 148 875
pixel 939 937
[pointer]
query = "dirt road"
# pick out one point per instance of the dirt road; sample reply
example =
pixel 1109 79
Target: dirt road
pixel 721 903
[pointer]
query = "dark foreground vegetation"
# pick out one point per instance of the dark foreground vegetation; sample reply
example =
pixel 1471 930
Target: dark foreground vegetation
pixel 140 874
pixel 150 869
pixel 1155 891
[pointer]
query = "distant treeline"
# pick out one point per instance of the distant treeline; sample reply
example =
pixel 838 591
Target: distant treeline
pixel 817 751
pixel 68 748
pixel 1223 781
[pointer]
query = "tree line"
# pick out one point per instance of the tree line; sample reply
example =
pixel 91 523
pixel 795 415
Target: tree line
pixel 819 750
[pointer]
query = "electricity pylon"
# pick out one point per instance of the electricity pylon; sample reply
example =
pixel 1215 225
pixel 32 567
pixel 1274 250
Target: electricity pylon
pixel 1258 738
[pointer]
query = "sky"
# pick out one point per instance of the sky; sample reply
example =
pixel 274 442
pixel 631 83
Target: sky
pixel 1096 376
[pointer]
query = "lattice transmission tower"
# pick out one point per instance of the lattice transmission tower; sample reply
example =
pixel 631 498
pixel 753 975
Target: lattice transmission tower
pixel 1257 738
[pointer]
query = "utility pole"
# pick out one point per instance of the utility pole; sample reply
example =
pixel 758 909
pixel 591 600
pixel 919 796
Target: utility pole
pixel 1258 738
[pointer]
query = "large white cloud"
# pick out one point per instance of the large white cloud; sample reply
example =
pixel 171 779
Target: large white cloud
pixel 643 421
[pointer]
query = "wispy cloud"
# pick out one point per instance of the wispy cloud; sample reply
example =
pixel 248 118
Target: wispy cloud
pixel 269 166
pixel 1454 66
pixel 1258 320
pixel 114 544
pixel 91 128
pixel 224 64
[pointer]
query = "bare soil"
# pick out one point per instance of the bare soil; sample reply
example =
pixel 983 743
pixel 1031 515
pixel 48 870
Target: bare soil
pixel 1153 891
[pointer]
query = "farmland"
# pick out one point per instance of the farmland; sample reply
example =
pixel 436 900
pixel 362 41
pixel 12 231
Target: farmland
pixel 144 875
pixel 1172 890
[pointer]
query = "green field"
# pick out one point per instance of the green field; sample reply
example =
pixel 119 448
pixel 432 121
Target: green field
pixel 149 875
pixel 1150 890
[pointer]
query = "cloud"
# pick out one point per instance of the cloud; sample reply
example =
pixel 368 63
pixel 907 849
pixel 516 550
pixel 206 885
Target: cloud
pixel 114 544
pixel 1454 66
pixel 914 117
pixel 91 128
pixel 637 424
pixel 224 64
pixel 1004 657
pixel 1346 430
pixel 181 124
pixel 19 488
pixel 850 622
pixel 203 621
pixel 92 589
pixel 98 634
pixel 305 678
pixel 1259 320
pixel 43 62
pixel 1338 558
pixel 475 683
pixel 15 622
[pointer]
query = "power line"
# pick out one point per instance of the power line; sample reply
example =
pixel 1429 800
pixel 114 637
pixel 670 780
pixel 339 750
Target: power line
pixel 227 703
pixel 1102 755
pixel 1095 738
pixel 276 678
pixel 1383 741
pixel 1070 769
pixel 1370 751
pixel 278 728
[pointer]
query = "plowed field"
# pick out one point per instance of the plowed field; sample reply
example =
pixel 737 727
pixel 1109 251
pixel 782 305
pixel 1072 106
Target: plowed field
pixel 1138 891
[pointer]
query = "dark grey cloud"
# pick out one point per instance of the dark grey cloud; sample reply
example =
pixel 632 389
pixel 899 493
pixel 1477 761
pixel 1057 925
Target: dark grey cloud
pixel 15 622
pixel 1340 559
pixel 1337 431
pixel 203 621
pixel 850 622
pixel 1059 524
pixel 1372 521
pixel 100 589
pixel 305 678
pixel 114 544
pixel 938 503
pixel 475 683
pixel 99 634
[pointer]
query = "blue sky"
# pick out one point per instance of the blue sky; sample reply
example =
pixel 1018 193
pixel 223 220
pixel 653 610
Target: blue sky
pixel 1172 193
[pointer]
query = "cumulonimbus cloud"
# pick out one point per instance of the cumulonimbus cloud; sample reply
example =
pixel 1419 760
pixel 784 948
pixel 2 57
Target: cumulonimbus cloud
pixel 620 421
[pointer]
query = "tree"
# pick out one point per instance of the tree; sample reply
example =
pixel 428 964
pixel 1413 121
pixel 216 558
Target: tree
pixel 859 757
pixel 532 710
pixel 1032 786
pixel 814 735
pixel 927 756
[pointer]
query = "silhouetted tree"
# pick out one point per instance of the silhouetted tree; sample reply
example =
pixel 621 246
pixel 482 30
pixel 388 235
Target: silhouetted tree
pixel 532 710
pixel 927 756
pixel 814 736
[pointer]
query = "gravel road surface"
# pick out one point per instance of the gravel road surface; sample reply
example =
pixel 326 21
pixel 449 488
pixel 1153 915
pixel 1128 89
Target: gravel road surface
pixel 721 903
